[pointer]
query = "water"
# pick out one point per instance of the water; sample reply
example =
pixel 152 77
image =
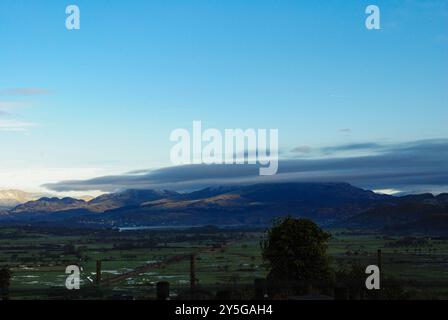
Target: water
pixel 182 227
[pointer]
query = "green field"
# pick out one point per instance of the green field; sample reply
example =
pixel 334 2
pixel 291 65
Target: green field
pixel 224 258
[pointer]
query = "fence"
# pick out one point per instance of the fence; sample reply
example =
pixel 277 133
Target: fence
pixel 186 276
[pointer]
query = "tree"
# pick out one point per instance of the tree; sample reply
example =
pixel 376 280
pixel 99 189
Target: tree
pixel 354 279
pixel 296 251
pixel 5 277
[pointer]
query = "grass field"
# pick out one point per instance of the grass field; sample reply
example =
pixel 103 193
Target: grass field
pixel 38 257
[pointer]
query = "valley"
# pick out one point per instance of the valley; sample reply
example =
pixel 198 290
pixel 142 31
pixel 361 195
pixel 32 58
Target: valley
pixel 226 258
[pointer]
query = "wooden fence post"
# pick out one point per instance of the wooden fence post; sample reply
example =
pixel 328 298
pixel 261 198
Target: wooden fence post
pixel 163 290
pixel 98 272
pixel 192 274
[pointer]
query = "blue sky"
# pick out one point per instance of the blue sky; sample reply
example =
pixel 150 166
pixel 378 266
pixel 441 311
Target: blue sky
pixel 103 99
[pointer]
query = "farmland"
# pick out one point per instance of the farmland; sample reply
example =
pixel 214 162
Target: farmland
pixel 37 258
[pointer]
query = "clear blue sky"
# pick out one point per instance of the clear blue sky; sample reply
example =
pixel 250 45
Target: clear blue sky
pixel 104 99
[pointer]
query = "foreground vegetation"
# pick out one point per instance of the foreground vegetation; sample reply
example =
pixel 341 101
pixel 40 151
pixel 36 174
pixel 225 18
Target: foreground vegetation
pixel 37 257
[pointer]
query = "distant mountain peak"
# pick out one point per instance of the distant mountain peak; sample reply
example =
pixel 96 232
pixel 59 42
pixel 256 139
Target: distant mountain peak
pixel 47 204
pixel 337 204
pixel 14 197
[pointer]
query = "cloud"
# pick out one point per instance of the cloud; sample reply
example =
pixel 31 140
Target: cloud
pixel 302 149
pixel 14 176
pixel 419 165
pixel 345 130
pixel 24 91
pixel 353 147
pixel 10 124
pixel 8 105
pixel 14 125
pixel 387 191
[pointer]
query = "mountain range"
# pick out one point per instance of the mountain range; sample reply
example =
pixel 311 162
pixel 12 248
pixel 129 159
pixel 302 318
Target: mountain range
pixel 328 204
pixel 11 198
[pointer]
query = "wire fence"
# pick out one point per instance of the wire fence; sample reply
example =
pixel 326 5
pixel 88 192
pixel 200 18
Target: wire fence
pixel 188 277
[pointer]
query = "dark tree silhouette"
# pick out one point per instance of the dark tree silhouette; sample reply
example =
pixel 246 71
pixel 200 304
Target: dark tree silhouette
pixel 5 277
pixel 296 251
